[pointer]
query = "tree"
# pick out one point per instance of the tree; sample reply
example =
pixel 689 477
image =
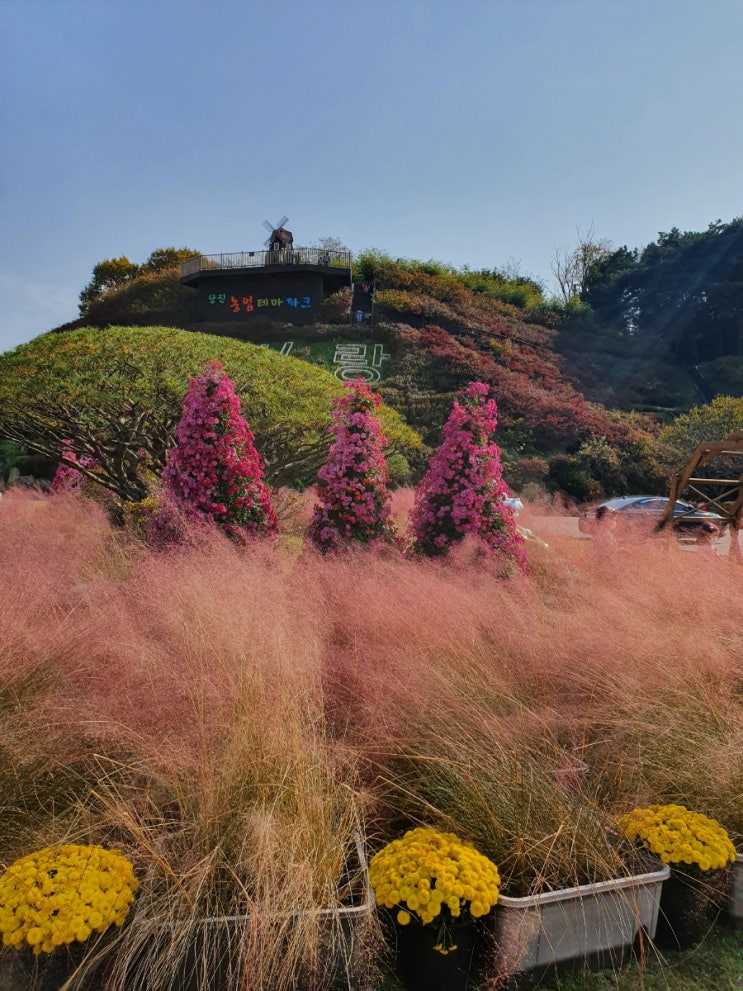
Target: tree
pixel 163 259
pixel 572 269
pixel 108 274
pixel 152 298
pixel 115 396
pixel 507 285
pixel 354 503
pixel 679 299
pixel 114 273
pixel 214 474
pixel 713 422
pixel 463 491
pixel 332 244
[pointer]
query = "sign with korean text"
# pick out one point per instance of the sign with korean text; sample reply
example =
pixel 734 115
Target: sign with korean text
pixel 285 299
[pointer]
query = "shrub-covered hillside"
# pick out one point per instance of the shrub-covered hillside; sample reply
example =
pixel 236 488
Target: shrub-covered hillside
pixel 434 329
pixel 114 395
pixel 447 327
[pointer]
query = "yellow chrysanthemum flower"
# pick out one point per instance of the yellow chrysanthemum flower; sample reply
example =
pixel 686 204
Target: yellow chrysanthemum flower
pixel 431 875
pixel 64 893
pixel 679 836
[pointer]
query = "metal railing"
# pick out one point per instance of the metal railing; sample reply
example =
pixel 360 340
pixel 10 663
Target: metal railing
pixel 264 259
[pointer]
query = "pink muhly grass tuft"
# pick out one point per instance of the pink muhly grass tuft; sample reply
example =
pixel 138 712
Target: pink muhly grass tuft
pixel 189 638
pixel 46 547
pixel 401 504
pixel 589 654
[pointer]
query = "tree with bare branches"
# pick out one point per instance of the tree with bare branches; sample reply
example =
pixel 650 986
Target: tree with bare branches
pixel 572 268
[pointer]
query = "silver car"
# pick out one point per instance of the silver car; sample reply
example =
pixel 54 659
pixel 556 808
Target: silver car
pixel 643 514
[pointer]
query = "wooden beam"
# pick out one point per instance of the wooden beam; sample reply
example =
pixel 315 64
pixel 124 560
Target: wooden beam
pixel 686 478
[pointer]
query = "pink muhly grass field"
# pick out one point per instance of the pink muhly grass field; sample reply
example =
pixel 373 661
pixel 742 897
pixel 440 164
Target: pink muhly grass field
pixel 593 659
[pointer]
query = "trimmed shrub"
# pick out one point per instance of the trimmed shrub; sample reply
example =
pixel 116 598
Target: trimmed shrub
pixel 463 491
pixel 354 503
pixel 214 473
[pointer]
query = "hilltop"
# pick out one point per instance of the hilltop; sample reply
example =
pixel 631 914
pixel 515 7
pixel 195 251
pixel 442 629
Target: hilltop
pixel 583 384
pixel 434 329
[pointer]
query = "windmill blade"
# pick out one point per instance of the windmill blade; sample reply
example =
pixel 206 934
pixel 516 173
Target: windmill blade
pixel 271 228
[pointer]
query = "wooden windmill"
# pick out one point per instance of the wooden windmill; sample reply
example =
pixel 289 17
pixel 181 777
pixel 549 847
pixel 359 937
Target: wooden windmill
pixel 278 236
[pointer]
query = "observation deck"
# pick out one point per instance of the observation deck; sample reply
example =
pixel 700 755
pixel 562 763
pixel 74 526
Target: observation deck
pixel 286 284
pixel 334 265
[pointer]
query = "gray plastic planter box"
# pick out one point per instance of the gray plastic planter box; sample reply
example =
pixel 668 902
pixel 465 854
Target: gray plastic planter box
pixel 340 932
pixel 735 898
pixel 590 925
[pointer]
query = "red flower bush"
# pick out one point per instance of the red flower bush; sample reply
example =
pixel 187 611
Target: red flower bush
pixel 463 491
pixel 352 486
pixel 214 474
pixel 69 479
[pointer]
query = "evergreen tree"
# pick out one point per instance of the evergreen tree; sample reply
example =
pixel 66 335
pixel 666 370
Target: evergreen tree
pixel 463 491
pixel 214 474
pixel 354 503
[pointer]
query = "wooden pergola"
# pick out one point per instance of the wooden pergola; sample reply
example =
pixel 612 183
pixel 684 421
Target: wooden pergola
pixel 728 502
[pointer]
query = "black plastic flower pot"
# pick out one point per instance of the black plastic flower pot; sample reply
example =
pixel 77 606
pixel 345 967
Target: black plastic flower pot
pixel 22 971
pixel 689 905
pixel 420 967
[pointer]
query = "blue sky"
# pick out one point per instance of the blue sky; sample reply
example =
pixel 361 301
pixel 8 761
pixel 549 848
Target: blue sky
pixel 478 132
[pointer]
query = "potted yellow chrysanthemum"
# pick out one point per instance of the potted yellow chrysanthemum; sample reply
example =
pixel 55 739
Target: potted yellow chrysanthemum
pixel 61 896
pixel 699 851
pixel 437 888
